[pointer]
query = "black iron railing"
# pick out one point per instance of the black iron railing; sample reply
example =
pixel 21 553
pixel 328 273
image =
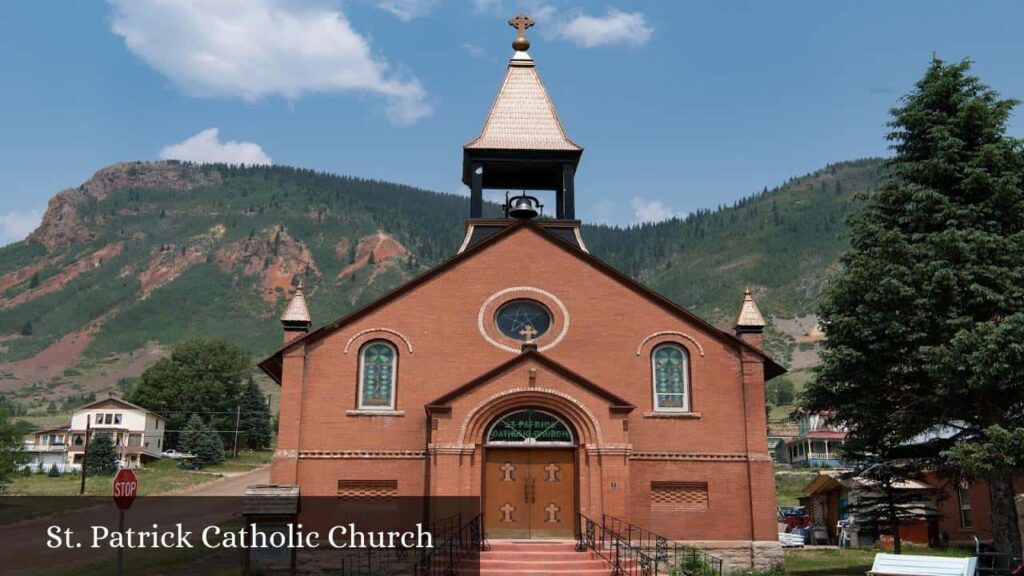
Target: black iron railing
pixel 632 550
pixel 460 552
pixel 456 546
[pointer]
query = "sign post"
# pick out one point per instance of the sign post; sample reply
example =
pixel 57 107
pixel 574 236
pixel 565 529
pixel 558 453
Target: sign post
pixel 126 486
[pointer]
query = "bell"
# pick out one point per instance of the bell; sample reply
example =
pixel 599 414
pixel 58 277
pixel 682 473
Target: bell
pixel 523 207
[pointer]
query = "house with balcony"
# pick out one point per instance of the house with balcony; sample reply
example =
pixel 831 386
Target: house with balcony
pixel 47 448
pixel 818 443
pixel 137 433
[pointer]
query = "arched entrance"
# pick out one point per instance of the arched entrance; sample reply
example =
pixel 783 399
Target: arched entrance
pixel 529 484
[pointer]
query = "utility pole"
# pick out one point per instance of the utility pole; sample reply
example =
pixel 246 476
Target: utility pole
pixel 85 452
pixel 238 418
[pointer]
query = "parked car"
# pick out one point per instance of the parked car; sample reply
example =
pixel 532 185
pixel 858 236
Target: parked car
pixel 175 455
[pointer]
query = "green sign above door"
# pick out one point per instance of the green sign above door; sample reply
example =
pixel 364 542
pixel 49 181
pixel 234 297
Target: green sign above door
pixel 529 426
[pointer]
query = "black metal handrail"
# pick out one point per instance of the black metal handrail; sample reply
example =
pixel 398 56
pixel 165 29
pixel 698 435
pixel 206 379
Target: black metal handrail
pixel 459 552
pixel 632 550
pixel 453 550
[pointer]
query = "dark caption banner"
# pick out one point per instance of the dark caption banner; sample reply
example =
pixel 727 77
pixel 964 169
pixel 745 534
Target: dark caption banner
pixel 241 535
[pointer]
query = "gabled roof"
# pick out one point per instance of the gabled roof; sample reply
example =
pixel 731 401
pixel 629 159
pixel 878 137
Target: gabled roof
pixel 63 428
pixel 116 400
pixel 522 116
pixel 616 402
pixel 272 365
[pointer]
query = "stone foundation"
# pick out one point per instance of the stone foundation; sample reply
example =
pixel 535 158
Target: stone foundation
pixel 742 555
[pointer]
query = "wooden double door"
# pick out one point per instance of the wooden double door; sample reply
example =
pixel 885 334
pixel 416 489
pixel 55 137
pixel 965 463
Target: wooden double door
pixel 530 493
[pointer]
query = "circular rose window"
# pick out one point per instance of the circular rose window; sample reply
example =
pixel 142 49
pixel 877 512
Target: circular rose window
pixel 523 319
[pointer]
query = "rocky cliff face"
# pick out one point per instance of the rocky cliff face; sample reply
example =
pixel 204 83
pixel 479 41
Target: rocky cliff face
pixel 60 225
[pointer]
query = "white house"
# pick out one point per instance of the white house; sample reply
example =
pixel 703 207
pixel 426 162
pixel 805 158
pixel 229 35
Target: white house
pixel 818 442
pixel 47 448
pixel 138 434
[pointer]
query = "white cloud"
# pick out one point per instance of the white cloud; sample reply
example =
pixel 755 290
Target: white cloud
pixel 650 211
pixel 252 49
pixel 15 226
pixel 406 10
pixel 475 51
pixel 488 5
pixel 614 28
pixel 206 147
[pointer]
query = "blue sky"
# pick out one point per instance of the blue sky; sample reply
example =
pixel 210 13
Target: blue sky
pixel 680 105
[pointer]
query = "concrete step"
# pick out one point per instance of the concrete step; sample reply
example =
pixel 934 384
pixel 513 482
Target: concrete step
pixel 539 557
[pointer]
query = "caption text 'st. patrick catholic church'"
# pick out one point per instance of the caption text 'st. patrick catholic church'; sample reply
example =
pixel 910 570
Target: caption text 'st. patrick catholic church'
pixel 528 373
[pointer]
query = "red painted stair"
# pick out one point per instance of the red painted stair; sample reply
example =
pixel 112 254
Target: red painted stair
pixel 539 557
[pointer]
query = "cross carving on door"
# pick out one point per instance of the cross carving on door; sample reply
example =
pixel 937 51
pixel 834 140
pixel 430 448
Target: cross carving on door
pixel 551 471
pixel 508 472
pixel 506 512
pixel 552 510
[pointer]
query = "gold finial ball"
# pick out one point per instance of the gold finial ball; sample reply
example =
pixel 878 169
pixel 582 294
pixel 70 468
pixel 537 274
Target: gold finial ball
pixel 521 44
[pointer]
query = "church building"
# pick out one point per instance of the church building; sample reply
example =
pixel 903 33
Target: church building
pixel 528 373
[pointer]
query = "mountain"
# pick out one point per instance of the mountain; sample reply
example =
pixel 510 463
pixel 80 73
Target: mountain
pixel 146 254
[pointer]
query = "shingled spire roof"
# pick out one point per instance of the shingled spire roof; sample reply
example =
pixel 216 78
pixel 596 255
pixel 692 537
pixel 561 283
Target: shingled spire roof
pixel 522 116
pixel 296 311
pixel 749 316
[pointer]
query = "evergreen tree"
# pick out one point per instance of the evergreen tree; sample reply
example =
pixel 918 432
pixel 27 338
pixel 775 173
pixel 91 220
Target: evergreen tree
pixel 54 471
pixel 101 457
pixel 190 436
pixel 925 322
pixel 11 453
pixel 884 502
pixel 201 442
pixel 255 417
pixel 26 329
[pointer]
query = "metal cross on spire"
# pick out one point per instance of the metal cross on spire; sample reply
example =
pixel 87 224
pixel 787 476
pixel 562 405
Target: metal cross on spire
pixel 521 22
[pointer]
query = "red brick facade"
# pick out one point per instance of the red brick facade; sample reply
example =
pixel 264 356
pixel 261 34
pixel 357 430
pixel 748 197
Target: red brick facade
pixel 456 374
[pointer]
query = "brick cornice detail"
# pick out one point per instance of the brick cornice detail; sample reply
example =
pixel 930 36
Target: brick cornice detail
pixel 364 454
pixel 610 449
pixel 459 449
pixel 691 456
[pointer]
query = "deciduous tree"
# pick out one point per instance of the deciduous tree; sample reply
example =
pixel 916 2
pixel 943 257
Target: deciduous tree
pixel 202 376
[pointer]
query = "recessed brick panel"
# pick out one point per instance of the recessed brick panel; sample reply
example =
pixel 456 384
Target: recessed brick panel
pixel 679 496
pixel 368 489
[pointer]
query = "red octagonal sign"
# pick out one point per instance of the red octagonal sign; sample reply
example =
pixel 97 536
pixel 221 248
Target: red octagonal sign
pixel 125 487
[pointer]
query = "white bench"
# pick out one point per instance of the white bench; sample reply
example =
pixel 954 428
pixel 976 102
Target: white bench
pixel 906 565
pixel 790 540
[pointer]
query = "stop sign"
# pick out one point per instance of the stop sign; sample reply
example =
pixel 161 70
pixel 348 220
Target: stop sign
pixel 125 487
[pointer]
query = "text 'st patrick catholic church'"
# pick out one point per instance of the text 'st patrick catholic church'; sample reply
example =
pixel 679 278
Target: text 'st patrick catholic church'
pixel 528 373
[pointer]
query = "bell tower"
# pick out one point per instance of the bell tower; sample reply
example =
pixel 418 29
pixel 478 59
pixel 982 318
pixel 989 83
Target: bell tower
pixel 522 147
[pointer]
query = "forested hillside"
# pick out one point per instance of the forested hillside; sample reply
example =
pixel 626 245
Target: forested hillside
pixel 144 255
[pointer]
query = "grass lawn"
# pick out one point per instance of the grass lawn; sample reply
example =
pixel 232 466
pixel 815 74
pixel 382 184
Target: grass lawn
pixel 159 477
pixel 156 477
pixel 849 562
pixel 789 484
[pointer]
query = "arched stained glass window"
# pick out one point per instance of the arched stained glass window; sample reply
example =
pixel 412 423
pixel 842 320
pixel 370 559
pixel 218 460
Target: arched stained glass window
pixel 377 376
pixel 529 426
pixel 671 378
